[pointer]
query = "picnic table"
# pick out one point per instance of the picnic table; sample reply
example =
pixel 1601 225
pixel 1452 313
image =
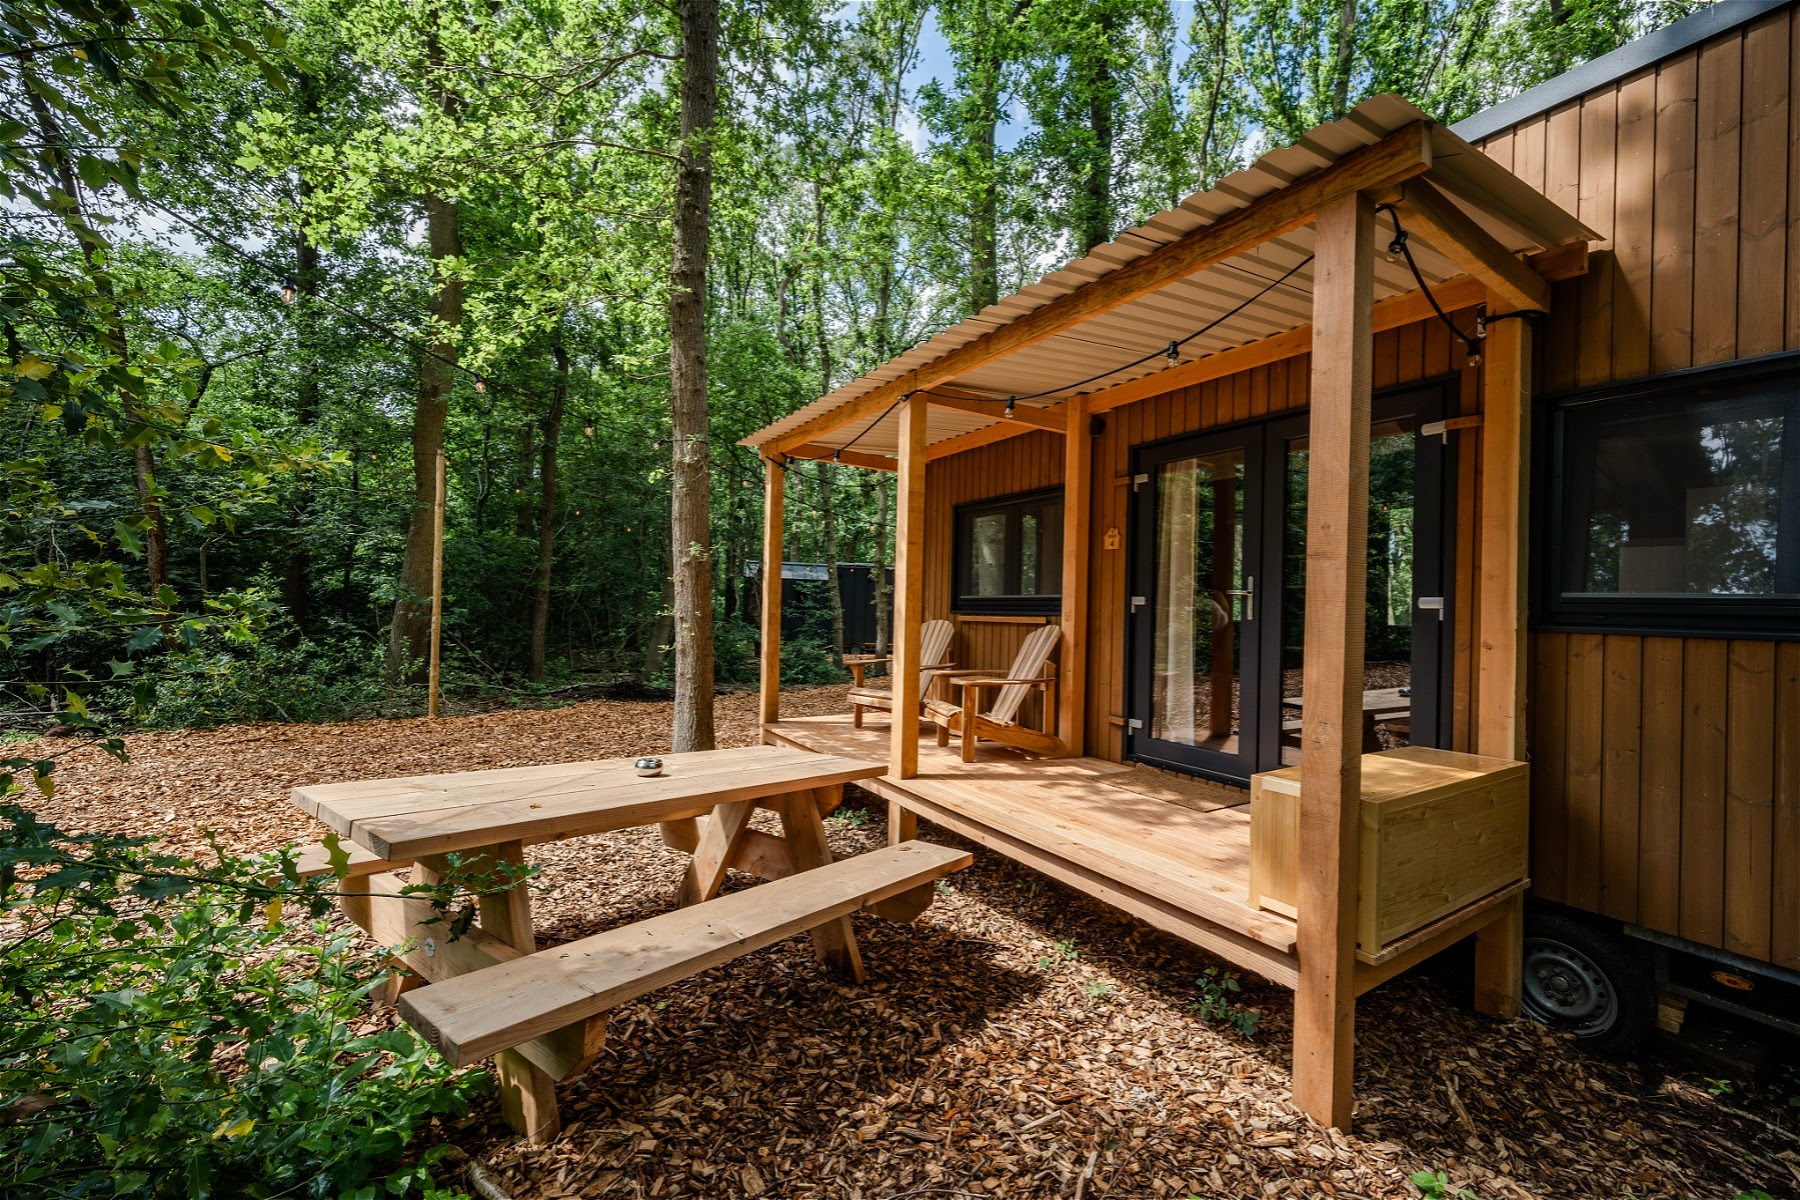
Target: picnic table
pixel 542 1015
pixel 1379 705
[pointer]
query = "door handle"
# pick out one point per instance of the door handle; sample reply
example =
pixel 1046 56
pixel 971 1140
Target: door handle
pixel 1432 604
pixel 1248 592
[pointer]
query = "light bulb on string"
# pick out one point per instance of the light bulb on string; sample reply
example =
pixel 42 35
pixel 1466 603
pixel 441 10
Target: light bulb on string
pixel 481 385
pixel 1012 402
pixel 587 428
pixel 1173 353
pixel 290 290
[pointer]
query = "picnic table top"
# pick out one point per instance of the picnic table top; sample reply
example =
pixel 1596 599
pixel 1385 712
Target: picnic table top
pixel 411 817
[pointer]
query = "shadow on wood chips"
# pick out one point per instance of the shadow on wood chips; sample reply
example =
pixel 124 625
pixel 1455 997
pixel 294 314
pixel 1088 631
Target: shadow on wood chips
pixel 1019 1040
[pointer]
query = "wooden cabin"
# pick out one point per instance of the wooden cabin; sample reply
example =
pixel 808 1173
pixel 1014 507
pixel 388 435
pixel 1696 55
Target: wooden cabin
pixel 1402 459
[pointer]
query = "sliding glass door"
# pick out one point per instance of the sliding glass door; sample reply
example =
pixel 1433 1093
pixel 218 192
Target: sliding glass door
pixel 1195 606
pixel 1217 607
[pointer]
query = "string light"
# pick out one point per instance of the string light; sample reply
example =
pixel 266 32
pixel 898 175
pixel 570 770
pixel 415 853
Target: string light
pixel 587 428
pixel 1397 247
pixel 290 290
pixel 1012 402
pixel 481 385
pixel 1173 353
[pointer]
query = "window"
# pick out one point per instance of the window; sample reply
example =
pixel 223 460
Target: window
pixel 1676 505
pixel 1009 555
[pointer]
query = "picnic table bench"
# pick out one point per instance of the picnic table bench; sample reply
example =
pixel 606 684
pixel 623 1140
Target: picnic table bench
pixel 542 1013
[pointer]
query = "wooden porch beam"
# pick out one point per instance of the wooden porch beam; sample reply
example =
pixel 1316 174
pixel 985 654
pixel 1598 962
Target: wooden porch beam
pixel 1457 237
pixel 994 410
pixel 1505 467
pixel 850 458
pixel 909 589
pixel 774 499
pixel 1400 156
pixel 975 439
pixel 1078 498
pixel 1337 519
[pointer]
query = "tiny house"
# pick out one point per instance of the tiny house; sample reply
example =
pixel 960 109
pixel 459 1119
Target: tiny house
pixel 1418 511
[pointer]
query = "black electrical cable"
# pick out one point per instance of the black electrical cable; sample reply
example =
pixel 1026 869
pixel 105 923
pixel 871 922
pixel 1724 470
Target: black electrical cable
pixel 1471 342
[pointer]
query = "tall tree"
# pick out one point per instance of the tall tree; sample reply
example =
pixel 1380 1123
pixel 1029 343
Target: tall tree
pixel 691 547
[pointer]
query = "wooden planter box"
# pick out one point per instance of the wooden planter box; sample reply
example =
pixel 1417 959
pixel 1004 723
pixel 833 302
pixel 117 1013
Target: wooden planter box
pixel 1439 831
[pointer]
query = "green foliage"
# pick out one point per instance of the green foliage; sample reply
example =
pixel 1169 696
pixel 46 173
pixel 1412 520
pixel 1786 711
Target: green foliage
pixel 1218 1002
pixel 1065 952
pixel 806 661
pixel 270 679
pixel 169 1034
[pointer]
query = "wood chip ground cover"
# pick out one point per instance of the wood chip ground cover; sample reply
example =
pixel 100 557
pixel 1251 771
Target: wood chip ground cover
pixel 1020 1040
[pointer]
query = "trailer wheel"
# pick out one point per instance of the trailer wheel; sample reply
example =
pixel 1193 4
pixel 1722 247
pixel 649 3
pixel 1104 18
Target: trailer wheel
pixel 1583 979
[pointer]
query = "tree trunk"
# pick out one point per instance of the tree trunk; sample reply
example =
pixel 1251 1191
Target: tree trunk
pixel 297 582
pixel 110 332
pixel 540 611
pixel 656 647
pixel 409 641
pixel 984 221
pixel 690 529
pixel 1097 209
pixel 884 594
pixel 828 522
pixel 1346 50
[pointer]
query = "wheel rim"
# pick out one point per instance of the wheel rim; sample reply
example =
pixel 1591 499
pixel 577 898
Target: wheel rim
pixel 1565 989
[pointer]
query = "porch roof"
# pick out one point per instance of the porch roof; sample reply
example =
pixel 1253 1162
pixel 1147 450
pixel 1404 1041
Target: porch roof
pixel 1270 277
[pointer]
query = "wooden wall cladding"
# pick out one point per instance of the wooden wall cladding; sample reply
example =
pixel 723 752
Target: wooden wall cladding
pixel 1666 785
pixel 1666 771
pixel 1689 171
pixel 1032 461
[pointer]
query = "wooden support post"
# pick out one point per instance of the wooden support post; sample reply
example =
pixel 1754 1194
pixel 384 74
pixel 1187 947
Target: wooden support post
pixel 1078 494
pixel 1505 462
pixel 1500 961
pixel 437 588
pixel 835 941
pixel 909 588
pixel 1502 648
pixel 527 1091
pixel 1337 519
pixel 903 824
pixel 774 496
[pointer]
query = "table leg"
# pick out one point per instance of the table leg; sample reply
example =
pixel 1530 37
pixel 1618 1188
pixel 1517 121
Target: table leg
pixel 527 1092
pixel 835 941
pixel 721 832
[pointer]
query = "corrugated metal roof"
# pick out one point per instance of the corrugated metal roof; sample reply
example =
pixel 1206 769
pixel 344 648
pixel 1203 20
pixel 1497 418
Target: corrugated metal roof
pixel 1145 326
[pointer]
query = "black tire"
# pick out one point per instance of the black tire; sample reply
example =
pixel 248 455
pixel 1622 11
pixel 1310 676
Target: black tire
pixel 1583 979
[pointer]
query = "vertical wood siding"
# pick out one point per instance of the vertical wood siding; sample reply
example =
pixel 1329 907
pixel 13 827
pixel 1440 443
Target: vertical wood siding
pixel 1032 461
pixel 1666 771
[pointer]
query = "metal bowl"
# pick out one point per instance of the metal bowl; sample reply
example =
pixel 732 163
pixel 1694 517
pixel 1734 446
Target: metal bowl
pixel 649 765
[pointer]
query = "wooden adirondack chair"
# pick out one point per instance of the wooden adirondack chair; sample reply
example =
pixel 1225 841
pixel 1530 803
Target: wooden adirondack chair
pixel 1031 668
pixel 934 652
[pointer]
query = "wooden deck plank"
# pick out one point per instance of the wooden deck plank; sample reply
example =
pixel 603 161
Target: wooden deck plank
pixel 1152 853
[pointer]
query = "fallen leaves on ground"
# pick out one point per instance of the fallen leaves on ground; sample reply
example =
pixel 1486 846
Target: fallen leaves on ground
pixel 981 1059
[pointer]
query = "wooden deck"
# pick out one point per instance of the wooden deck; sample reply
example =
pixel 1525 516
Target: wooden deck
pixel 1184 871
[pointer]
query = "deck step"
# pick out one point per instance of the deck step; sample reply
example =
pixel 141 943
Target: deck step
pixel 479 1014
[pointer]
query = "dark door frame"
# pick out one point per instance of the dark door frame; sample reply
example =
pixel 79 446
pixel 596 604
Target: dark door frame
pixel 1265 445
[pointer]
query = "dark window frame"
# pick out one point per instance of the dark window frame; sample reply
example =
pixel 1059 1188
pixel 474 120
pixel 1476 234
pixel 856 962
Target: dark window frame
pixel 1014 505
pixel 1772 617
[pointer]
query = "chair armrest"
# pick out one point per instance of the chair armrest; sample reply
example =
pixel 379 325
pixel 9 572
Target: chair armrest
pixel 868 660
pixel 994 681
